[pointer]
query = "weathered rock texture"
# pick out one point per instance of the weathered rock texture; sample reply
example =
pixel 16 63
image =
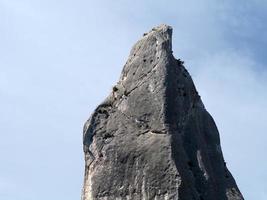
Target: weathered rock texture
pixel 152 138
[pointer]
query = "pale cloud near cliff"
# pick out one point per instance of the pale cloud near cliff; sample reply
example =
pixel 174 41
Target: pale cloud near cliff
pixel 235 94
pixel 59 59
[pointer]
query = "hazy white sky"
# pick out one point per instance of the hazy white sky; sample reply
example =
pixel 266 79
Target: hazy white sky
pixel 59 59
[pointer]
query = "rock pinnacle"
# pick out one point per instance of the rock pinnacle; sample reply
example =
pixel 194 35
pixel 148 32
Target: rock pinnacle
pixel 152 138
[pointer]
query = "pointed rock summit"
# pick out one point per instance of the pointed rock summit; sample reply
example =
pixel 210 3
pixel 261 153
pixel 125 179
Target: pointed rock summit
pixel 152 138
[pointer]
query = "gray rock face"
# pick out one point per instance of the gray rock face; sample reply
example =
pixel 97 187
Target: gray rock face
pixel 152 138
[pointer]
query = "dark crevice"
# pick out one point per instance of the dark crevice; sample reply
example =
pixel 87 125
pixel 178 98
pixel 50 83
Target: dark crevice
pixel 190 164
pixel 107 135
pixel 115 89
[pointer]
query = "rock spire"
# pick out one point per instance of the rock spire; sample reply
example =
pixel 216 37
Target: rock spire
pixel 152 138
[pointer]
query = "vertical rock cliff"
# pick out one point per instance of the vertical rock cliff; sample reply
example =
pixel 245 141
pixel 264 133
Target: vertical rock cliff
pixel 152 138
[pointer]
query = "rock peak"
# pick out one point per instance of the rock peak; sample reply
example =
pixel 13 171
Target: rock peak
pixel 162 29
pixel 157 39
pixel 152 138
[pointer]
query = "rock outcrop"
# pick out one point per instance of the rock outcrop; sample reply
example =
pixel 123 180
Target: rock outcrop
pixel 152 138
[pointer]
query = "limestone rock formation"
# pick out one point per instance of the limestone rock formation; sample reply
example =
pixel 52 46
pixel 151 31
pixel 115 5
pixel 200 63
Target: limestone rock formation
pixel 152 138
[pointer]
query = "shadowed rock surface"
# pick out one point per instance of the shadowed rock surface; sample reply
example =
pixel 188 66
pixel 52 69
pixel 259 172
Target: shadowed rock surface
pixel 152 138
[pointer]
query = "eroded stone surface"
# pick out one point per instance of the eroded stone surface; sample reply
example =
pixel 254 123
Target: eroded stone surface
pixel 152 138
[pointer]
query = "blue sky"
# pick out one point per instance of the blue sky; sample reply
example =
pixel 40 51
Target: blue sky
pixel 59 59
